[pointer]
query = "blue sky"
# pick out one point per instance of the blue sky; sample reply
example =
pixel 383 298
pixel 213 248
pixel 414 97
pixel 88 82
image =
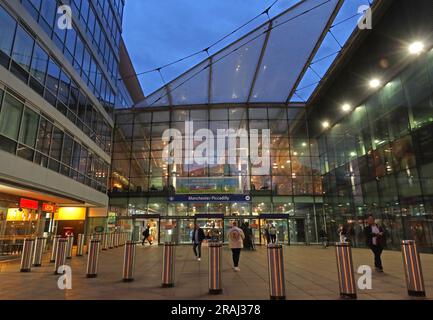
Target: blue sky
pixel 157 32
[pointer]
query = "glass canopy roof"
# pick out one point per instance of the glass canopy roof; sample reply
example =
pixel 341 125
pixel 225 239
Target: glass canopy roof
pixel 264 66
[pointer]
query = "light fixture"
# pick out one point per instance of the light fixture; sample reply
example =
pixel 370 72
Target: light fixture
pixel 353 154
pixel 304 144
pixel 325 124
pixel 346 107
pixel 416 47
pixel 374 83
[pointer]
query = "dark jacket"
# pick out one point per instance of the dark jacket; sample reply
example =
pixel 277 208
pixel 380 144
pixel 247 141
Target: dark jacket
pixel 146 233
pixel 201 235
pixel 369 237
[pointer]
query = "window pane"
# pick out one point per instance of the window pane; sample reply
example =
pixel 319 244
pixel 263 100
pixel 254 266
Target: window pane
pixel 53 76
pixel 10 117
pixel 56 144
pixel 29 127
pixel 7 27
pixel 39 64
pixel 44 136
pixel 23 48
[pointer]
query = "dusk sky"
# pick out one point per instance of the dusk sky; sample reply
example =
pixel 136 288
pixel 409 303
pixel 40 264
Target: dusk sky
pixel 157 32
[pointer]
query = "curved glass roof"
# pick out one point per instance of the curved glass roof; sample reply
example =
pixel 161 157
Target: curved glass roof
pixel 264 66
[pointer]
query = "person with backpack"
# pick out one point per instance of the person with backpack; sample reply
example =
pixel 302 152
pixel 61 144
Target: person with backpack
pixel 236 242
pixel 273 234
pixel 146 235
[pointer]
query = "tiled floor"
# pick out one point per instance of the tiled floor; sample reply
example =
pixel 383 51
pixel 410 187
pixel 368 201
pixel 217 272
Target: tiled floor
pixel 310 274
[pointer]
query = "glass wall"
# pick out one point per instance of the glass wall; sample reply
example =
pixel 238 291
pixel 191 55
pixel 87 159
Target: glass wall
pixel 378 160
pixel 30 62
pixel 32 136
pixel 142 181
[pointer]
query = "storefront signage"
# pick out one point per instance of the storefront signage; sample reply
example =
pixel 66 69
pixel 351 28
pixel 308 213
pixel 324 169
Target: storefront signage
pixel 46 207
pixel 210 198
pixel 29 204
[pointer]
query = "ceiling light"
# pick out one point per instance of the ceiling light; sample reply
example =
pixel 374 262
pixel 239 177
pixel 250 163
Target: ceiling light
pixel 325 124
pixel 374 83
pixel 346 107
pixel 416 47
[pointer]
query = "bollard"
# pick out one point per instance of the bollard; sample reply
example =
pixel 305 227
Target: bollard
pixel 54 248
pixel 277 285
pixel 104 243
pixel 69 246
pixel 60 254
pixel 110 240
pixel 413 269
pixel 346 274
pixel 88 239
pixel 92 259
pixel 168 265
pixel 27 255
pixel 39 251
pixel 215 281
pixel 80 245
pixel 117 240
pixel 129 261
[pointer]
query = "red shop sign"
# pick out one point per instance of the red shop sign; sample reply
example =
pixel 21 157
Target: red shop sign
pixel 46 207
pixel 29 204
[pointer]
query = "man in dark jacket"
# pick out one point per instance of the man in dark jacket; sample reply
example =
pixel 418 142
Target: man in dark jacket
pixel 197 238
pixel 375 241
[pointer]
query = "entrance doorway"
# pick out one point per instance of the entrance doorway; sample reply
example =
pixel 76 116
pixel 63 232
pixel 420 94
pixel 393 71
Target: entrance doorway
pixel 213 228
pixel 141 224
pixel 297 232
pixel 279 225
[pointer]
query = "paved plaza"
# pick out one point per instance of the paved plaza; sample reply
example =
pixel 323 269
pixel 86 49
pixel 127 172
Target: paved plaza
pixel 310 275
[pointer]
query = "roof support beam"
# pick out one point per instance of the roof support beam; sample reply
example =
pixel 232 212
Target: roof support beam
pixel 209 88
pixel 316 48
pixel 259 63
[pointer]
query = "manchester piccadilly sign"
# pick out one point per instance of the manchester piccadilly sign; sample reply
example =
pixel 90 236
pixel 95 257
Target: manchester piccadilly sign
pixel 211 198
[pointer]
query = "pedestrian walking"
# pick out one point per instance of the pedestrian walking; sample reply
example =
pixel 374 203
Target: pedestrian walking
pixel 236 242
pixel 375 241
pixel 197 239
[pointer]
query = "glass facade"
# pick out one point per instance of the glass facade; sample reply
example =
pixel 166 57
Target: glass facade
pixel 31 135
pixel 142 181
pixel 26 58
pixel 378 160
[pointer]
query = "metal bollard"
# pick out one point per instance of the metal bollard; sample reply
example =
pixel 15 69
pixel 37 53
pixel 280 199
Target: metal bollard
pixel 413 269
pixel 69 246
pixel 39 251
pixel 116 240
pixel 215 281
pixel 104 243
pixel 277 285
pixel 60 254
pixel 168 265
pixel 54 248
pixel 346 275
pixel 27 255
pixel 88 239
pixel 80 245
pixel 92 259
pixel 110 241
pixel 129 261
